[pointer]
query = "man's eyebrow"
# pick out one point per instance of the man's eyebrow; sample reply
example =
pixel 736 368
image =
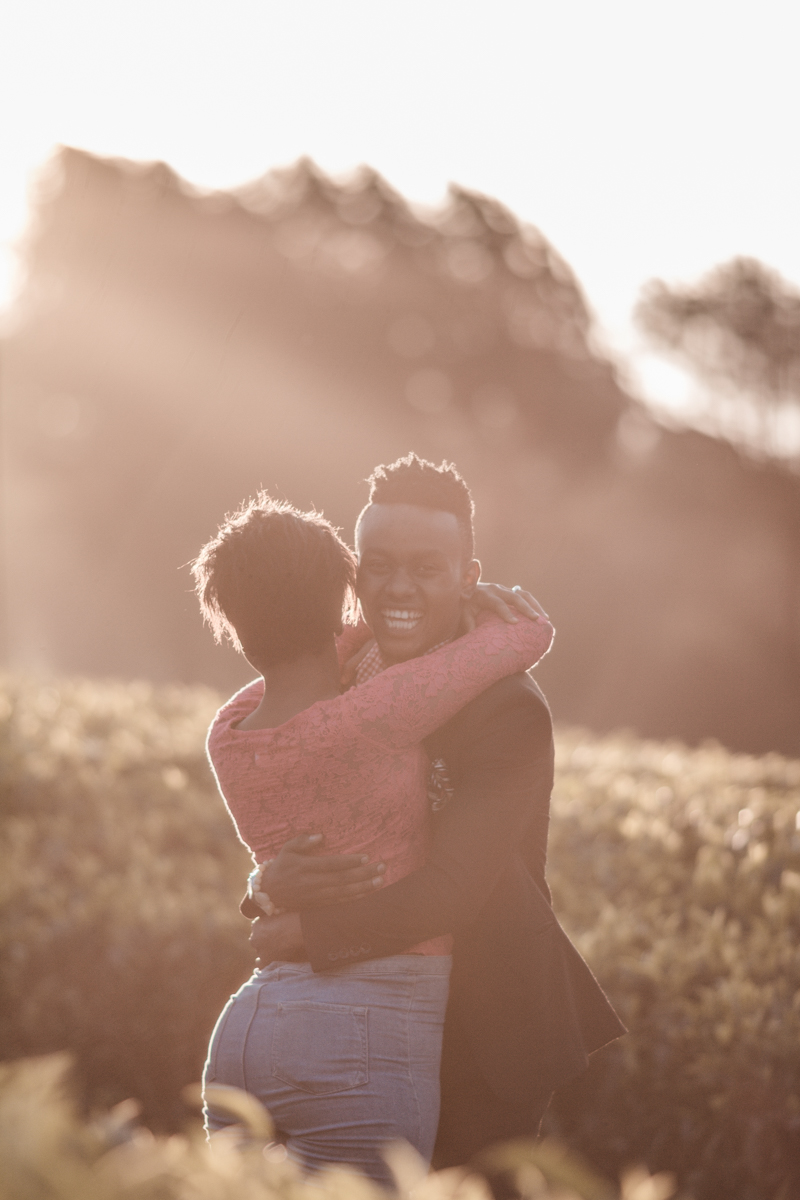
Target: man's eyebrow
pixel 416 557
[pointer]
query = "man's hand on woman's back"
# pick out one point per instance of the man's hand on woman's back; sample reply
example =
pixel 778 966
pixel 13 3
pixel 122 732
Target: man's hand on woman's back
pixel 301 878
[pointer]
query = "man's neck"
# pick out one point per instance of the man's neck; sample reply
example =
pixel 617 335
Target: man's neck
pixel 373 662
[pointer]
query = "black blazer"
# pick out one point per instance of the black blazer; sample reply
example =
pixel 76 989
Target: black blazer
pixel 529 1004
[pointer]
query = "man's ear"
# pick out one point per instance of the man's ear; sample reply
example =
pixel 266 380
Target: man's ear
pixel 470 579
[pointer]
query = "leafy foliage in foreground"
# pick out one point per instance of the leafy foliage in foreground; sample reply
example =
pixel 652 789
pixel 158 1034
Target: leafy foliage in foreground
pixel 677 872
pixel 46 1150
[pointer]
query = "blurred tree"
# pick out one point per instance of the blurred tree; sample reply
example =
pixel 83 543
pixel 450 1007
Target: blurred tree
pixel 738 328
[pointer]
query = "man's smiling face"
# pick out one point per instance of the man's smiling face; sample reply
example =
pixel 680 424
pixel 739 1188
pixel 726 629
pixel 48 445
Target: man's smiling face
pixel 412 577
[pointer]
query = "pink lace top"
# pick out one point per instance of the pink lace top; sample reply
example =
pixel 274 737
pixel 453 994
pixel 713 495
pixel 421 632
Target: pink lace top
pixel 353 767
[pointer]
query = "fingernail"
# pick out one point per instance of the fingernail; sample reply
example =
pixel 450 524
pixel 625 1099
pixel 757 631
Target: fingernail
pixel 365 858
pixel 315 837
pixel 377 881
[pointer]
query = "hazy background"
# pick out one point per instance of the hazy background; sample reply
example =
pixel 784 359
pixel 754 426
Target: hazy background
pixel 176 337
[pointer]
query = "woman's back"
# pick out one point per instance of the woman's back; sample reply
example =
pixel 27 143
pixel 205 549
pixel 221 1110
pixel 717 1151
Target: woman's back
pixel 317 772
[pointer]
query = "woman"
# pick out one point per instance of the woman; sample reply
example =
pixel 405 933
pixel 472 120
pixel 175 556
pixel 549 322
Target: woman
pixel 348 1060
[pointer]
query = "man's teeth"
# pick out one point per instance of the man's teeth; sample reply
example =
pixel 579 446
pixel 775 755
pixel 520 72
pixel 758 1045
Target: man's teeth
pixel 401 620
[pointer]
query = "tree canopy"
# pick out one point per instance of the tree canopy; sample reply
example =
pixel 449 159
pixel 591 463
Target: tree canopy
pixel 737 328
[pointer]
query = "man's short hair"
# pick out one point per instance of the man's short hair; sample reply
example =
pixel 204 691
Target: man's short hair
pixel 275 581
pixel 413 480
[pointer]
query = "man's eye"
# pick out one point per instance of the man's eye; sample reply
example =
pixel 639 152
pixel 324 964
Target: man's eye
pixel 428 570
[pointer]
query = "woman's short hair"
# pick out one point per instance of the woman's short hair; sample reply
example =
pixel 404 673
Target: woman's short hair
pixel 275 581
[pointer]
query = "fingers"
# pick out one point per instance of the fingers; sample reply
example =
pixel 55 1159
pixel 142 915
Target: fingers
pixel 532 605
pixel 344 876
pixel 335 864
pixel 277 937
pixel 507 602
pixel 350 667
pixel 350 891
pixel 359 874
pixel 503 610
pixel 490 597
pixel 518 600
pixel 304 843
pixel 312 884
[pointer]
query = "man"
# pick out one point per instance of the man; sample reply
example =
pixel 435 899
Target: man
pixel 524 1010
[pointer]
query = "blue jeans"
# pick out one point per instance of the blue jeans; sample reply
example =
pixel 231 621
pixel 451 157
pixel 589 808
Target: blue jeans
pixel 344 1061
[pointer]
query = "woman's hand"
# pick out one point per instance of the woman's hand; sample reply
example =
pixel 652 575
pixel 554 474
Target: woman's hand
pixel 278 938
pixel 349 668
pixel 505 602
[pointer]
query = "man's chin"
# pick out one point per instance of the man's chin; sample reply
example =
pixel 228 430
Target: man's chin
pixel 399 645
pixel 396 648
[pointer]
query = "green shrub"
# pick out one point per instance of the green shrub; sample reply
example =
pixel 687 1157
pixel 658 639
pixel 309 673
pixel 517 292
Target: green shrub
pixel 677 873
pixel 121 876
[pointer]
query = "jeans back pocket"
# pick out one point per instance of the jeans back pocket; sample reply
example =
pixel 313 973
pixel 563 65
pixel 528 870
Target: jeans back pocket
pixel 320 1048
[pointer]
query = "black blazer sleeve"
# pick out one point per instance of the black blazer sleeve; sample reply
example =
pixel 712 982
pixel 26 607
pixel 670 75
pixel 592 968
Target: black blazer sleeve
pixel 499 752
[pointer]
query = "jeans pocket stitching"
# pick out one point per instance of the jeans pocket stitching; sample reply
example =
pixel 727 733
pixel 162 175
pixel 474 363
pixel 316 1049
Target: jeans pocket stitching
pixel 282 1069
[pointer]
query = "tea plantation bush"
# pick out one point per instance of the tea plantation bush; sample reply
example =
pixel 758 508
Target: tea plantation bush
pixel 677 873
pixel 119 877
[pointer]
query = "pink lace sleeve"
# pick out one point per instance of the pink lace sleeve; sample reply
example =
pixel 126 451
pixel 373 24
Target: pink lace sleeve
pixel 405 703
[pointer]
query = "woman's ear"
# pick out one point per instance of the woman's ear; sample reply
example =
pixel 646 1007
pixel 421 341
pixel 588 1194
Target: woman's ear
pixel 470 579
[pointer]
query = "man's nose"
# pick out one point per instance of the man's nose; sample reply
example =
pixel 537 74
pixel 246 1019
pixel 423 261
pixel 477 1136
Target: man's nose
pixel 400 583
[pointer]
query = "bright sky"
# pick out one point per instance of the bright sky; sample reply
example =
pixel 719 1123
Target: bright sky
pixel 644 137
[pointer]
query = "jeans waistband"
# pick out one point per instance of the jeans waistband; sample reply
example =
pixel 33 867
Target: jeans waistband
pixel 396 964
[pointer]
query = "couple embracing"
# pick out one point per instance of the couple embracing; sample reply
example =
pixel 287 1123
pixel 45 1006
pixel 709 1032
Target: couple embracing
pixel 413 748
